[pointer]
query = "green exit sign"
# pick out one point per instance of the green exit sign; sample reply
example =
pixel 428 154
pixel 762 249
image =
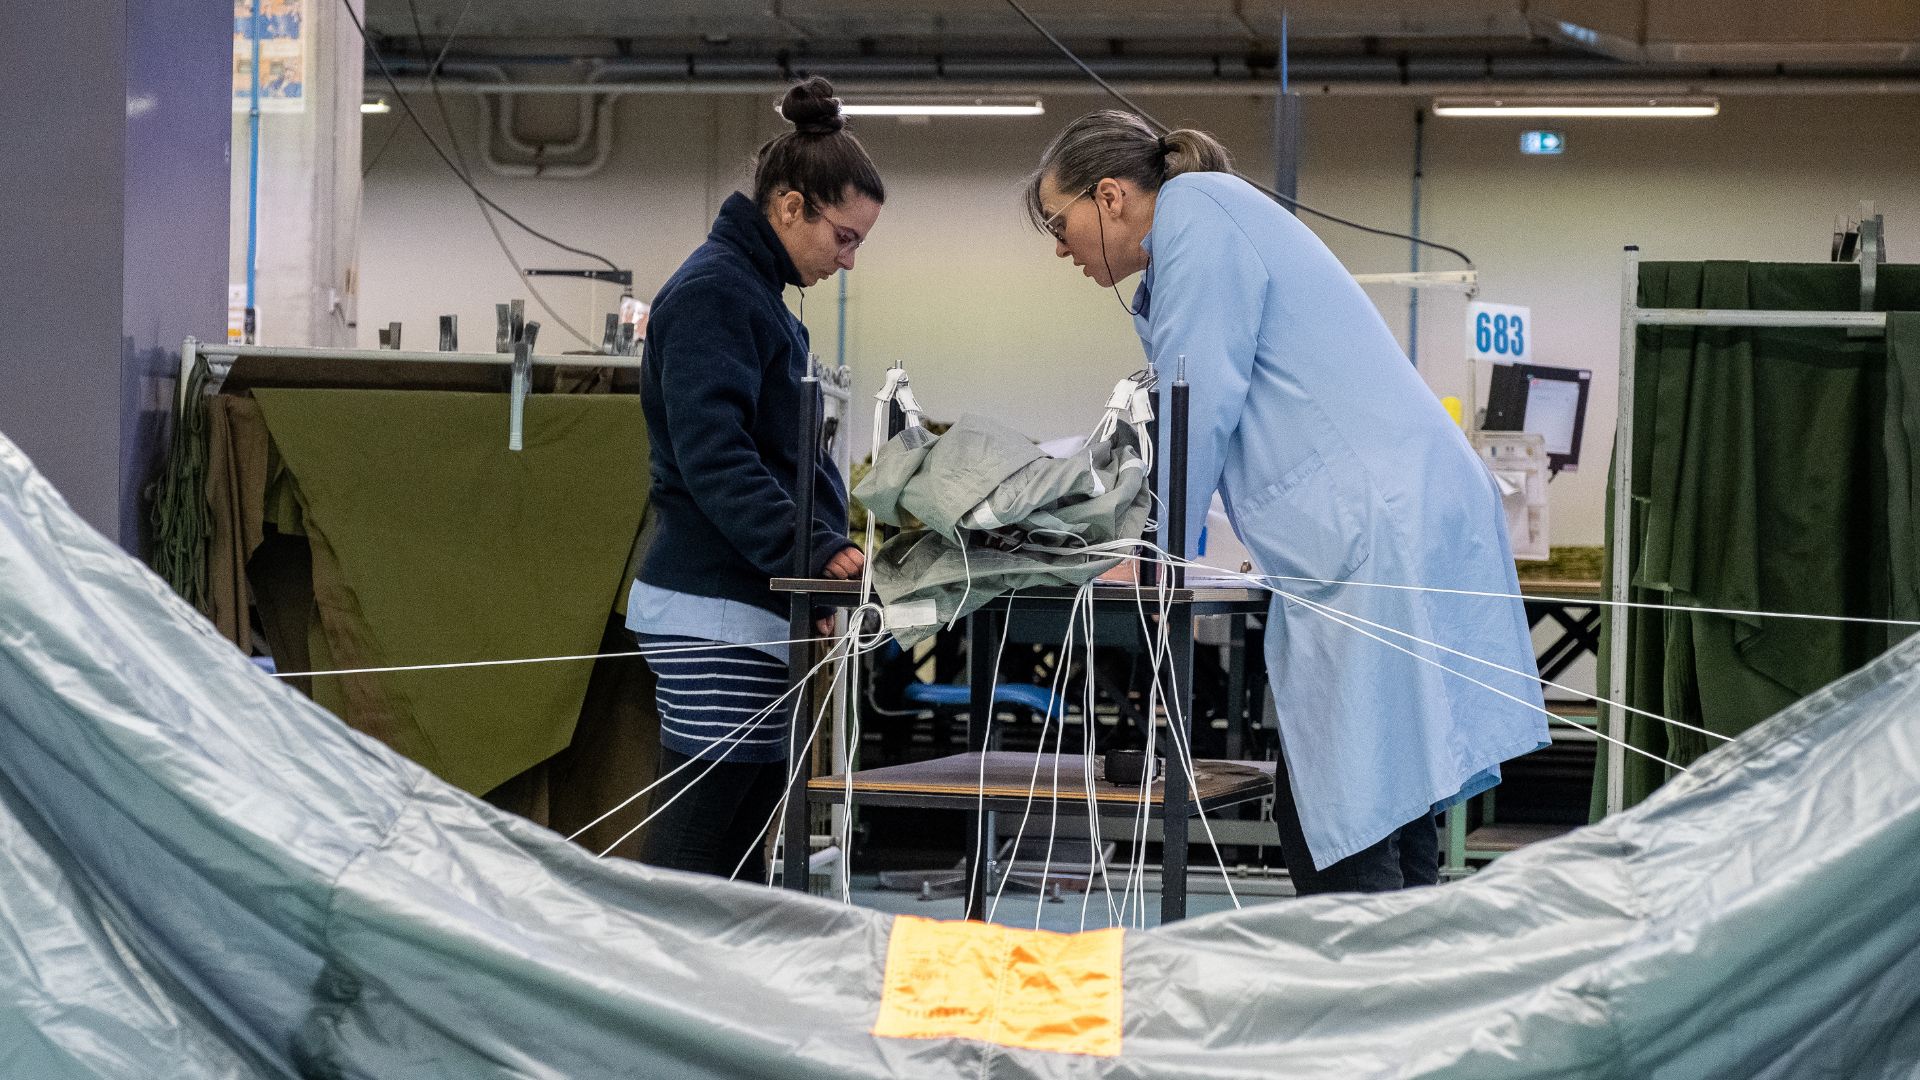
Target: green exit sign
pixel 1542 142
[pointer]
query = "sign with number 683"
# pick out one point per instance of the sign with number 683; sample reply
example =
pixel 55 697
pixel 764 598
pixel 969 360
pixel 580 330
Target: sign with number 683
pixel 1502 333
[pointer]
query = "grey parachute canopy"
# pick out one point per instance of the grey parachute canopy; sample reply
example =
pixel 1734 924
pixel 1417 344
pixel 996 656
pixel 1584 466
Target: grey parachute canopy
pixel 984 511
pixel 203 874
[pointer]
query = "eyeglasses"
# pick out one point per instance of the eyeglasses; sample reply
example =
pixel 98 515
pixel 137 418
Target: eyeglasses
pixel 845 237
pixel 1058 228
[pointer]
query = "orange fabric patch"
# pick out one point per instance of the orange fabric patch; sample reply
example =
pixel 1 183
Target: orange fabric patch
pixel 1030 989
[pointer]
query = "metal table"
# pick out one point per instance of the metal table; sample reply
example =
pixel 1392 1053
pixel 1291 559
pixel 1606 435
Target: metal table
pixel 1573 605
pixel 1114 605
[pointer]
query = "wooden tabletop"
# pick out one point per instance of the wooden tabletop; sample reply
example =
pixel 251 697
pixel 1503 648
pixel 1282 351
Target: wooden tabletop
pixel 1550 587
pixel 1010 777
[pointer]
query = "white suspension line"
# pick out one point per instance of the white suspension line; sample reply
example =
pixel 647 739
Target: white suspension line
pixel 1177 727
pixel 716 762
pixel 984 852
pixel 1340 618
pixel 660 651
pixel 1597 602
pixel 1258 582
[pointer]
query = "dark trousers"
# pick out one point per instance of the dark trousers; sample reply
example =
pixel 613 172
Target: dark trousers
pixel 716 820
pixel 1408 856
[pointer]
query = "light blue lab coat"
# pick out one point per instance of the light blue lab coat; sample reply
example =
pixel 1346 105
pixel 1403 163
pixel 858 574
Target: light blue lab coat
pixel 1337 463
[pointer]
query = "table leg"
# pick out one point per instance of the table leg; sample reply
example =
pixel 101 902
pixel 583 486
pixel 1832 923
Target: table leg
pixel 1237 711
pixel 794 829
pixel 981 678
pixel 1173 818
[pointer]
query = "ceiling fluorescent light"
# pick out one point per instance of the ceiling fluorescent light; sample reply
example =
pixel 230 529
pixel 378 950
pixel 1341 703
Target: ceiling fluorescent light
pixel 1532 107
pixel 947 107
pixel 377 105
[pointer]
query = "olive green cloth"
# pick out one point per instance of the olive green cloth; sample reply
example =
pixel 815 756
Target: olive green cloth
pixel 433 543
pixel 1762 460
pixel 1903 464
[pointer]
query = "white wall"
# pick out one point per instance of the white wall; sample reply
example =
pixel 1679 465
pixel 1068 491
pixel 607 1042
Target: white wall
pixel 956 283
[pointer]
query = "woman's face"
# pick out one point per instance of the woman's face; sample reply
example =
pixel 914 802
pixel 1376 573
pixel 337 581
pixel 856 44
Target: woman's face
pixel 1099 227
pixel 825 240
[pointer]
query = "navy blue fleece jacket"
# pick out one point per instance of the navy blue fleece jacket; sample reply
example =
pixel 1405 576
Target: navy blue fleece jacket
pixel 721 390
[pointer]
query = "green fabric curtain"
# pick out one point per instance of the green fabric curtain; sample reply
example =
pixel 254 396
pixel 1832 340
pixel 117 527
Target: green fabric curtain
pixel 1773 471
pixel 432 542
pixel 1903 463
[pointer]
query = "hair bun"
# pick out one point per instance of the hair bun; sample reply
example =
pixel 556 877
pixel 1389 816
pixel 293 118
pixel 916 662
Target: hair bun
pixel 811 107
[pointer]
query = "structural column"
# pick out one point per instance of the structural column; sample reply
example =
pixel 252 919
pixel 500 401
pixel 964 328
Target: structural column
pixel 113 214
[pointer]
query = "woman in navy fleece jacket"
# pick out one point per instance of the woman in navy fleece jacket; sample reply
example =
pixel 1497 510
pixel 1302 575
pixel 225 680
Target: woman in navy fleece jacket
pixel 721 388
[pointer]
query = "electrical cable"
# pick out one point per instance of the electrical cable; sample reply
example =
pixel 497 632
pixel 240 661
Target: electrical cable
pixel 1113 283
pixel 432 70
pixel 461 174
pixel 1163 130
pixel 460 158
pixel 407 107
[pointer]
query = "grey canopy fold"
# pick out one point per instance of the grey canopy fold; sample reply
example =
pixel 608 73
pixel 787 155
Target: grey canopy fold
pixel 984 511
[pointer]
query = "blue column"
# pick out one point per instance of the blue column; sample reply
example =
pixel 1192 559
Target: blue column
pixel 113 211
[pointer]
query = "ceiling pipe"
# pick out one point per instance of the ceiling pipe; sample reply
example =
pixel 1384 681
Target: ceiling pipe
pixel 1784 86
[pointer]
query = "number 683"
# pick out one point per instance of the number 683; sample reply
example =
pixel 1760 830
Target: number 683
pixel 1501 335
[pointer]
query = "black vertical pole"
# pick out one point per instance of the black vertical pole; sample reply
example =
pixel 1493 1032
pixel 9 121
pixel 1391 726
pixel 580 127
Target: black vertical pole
pixel 795 874
pixel 1173 859
pixel 1238 714
pixel 1177 477
pixel 1147 570
pixel 1175 813
pixel 981 678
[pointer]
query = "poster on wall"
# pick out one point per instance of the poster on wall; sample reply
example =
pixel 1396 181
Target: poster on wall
pixel 283 59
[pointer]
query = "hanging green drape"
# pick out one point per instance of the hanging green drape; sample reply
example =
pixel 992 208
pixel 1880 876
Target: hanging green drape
pixel 1773 472
pixel 432 542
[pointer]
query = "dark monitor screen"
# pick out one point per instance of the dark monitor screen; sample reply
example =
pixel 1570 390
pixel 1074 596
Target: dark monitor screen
pixel 1549 401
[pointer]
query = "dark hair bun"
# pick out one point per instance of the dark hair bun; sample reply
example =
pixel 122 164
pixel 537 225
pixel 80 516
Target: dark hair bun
pixel 811 107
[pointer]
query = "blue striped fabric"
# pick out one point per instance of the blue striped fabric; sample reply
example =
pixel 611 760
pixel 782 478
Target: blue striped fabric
pixel 716 699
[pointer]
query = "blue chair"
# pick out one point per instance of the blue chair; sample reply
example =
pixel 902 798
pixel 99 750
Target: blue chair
pixel 1037 699
pixel 896 682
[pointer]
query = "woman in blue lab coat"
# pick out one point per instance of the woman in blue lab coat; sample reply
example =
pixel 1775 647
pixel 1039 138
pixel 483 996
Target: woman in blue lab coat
pixel 1341 472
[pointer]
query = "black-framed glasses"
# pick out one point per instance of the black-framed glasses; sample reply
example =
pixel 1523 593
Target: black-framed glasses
pixel 1056 227
pixel 848 239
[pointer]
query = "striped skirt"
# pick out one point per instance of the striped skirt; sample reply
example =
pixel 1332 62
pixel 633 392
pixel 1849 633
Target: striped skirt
pixel 717 701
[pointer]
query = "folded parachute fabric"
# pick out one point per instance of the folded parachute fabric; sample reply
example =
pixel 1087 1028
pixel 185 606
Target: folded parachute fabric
pixel 985 511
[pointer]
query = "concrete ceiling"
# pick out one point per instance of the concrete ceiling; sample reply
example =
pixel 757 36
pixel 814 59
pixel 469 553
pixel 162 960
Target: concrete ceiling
pixel 1189 39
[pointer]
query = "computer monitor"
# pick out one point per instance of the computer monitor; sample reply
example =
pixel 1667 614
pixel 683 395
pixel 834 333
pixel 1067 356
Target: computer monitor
pixel 1550 401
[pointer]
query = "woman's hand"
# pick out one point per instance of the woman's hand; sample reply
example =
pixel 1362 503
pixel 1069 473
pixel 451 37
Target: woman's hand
pixel 1125 573
pixel 847 564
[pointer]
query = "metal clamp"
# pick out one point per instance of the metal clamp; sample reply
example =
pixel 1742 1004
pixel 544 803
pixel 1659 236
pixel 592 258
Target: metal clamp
pixel 1873 252
pixel 517 394
pixel 898 389
pixel 521 386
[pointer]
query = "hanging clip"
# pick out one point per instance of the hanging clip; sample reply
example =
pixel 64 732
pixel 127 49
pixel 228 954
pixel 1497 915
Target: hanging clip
pixel 522 384
pixel 899 390
pixel 1873 252
pixel 1133 396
